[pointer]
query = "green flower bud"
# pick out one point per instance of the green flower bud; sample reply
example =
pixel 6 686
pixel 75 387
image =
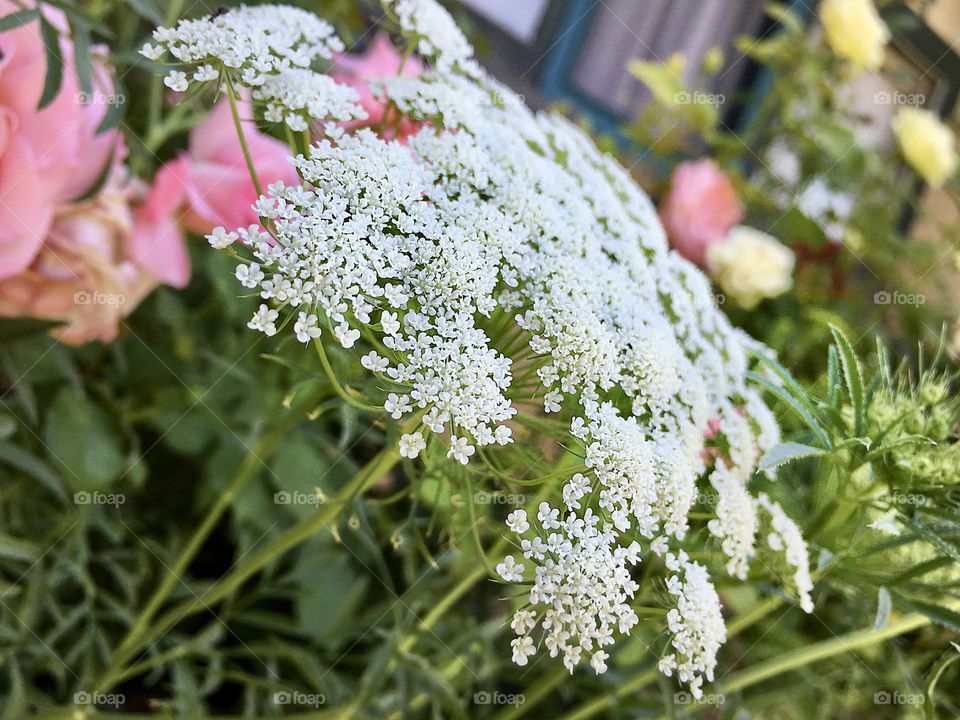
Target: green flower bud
pixel 933 392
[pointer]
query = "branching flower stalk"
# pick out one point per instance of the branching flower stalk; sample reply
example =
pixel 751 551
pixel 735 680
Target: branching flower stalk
pixel 498 277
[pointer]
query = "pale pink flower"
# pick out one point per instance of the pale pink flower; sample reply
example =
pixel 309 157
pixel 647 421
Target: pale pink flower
pixel 84 274
pixel 47 157
pixel 64 258
pixel 700 209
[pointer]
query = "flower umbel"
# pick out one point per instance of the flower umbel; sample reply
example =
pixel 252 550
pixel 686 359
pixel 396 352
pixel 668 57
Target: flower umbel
pixel 494 267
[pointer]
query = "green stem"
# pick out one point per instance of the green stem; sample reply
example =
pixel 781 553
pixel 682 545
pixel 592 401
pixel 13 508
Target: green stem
pixel 253 563
pixel 232 97
pixel 340 389
pixel 824 649
pixel 264 446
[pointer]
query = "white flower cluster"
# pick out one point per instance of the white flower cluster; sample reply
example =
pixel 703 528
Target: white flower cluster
pixel 252 42
pixel 582 578
pixel 432 33
pixel 786 537
pixel 736 520
pixel 696 623
pixel 299 95
pixel 500 258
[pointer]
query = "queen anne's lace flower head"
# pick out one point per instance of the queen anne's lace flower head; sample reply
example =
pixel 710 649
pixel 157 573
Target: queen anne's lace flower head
pixel 432 33
pixel 250 42
pixel 695 622
pixel 496 259
pixel 785 537
pixel 298 96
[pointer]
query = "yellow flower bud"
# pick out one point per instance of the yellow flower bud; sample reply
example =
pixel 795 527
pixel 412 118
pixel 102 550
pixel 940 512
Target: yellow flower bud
pixel 855 32
pixel 926 143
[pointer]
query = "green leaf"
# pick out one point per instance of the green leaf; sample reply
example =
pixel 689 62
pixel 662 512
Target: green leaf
pixel 81 58
pixel 15 548
pixel 853 374
pixel 18 328
pixel 18 18
pixel 928 534
pixel 77 18
pixel 115 108
pixel 147 9
pixel 328 593
pixel 789 382
pixel 83 441
pixel 940 615
pixel 788 452
pixel 796 405
pixel 883 362
pixel 54 76
pixel 22 460
pixel 929 703
pixel 833 378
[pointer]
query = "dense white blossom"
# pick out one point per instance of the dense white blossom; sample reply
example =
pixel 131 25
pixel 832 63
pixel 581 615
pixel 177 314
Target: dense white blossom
pixel 695 623
pixel 736 520
pixel 582 580
pixel 786 537
pixel 298 96
pixel 494 258
pixel 251 42
pixel 432 32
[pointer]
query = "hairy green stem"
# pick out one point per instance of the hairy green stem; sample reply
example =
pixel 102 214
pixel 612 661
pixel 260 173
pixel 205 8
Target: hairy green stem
pixel 824 649
pixel 232 97
pixel 265 445
pixel 253 563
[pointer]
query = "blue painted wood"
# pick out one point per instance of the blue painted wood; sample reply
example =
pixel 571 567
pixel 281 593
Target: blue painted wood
pixel 562 56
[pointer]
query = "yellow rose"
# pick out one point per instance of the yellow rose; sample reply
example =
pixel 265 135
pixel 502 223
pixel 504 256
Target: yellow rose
pixel 926 143
pixel 855 31
pixel 750 265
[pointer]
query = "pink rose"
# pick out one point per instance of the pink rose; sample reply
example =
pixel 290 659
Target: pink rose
pixel 700 209
pixel 46 157
pixel 210 181
pixel 82 263
pixel 83 273
pixel 379 60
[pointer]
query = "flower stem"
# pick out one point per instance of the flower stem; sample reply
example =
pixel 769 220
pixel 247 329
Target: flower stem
pixel 232 97
pixel 822 650
pixel 340 389
pixel 248 466
pixel 230 583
